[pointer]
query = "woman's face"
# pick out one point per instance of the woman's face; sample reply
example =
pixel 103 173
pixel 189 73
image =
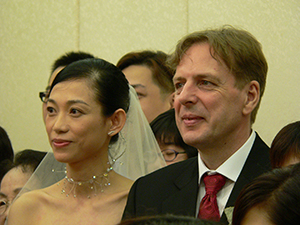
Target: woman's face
pixel 76 128
pixel 173 153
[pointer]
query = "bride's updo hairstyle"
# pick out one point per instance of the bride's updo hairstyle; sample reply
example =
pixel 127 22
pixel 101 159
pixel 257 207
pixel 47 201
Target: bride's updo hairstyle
pixel 110 86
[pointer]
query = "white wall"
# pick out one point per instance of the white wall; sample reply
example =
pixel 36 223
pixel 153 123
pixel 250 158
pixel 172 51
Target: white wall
pixel 34 33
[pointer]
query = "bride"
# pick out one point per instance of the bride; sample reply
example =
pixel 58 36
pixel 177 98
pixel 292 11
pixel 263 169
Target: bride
pixel 87 107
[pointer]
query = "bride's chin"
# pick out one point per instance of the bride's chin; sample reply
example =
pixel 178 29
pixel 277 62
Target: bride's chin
pixel 63 158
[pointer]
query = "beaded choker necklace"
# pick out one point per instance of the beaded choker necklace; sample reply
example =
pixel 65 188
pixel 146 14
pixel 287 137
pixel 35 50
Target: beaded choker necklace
pixel 96 183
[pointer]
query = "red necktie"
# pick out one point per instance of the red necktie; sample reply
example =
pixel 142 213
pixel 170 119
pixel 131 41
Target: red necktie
pixel 208 207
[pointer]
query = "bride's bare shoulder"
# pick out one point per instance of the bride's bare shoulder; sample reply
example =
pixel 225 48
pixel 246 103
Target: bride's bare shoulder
pixel 25 208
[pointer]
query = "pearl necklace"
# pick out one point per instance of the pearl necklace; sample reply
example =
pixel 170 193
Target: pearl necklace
pixel 95 183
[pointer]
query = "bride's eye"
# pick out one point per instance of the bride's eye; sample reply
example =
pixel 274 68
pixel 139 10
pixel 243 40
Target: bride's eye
pixel 75 112
pixel 50 110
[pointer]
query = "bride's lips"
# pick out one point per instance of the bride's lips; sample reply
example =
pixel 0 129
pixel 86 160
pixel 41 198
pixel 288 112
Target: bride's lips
pixel 60 143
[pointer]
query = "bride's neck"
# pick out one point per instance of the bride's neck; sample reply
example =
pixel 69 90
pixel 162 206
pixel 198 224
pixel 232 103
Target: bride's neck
pixel 86 183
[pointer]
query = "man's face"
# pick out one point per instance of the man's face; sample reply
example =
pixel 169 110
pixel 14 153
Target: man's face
pixel 207 104
pixel 152 103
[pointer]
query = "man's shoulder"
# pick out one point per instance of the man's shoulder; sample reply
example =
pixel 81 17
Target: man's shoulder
pixel 260 153
pixel 172 171
pixel 260 144
pixel 258 160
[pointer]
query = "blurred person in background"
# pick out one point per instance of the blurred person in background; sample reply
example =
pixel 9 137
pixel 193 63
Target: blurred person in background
pixel 147 72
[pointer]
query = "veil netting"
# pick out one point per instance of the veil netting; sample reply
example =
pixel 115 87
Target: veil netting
pixel 135 153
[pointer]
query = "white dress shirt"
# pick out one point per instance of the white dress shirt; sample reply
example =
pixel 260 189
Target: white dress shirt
pixel 231 169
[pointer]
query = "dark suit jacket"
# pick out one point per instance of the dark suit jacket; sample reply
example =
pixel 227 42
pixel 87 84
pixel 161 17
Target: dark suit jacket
pixel 174 189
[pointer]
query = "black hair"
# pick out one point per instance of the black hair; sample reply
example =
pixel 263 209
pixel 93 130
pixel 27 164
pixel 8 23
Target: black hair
pixel 69 58
pixel 29 159
pixel 6 153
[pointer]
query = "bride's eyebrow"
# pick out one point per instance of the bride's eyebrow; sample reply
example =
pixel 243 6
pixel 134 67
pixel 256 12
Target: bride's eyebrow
pixel 70 102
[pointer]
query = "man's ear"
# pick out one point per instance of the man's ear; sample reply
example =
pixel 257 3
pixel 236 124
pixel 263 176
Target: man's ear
pixel 171 100
pixel 252 97
pixel 118 120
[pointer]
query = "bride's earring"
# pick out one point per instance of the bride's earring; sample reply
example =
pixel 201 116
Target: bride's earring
pixel 111 132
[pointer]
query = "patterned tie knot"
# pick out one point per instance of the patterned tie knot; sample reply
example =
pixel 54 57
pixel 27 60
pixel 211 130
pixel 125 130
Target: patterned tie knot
pixel 208 207
pixel 213 183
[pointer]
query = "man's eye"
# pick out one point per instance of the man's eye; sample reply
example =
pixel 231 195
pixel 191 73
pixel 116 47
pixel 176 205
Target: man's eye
pixel 205 83
pixel 140 95
pixel 2 203
pixel 74 111
pixel 178 85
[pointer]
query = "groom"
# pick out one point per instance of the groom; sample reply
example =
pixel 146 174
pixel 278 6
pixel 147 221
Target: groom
pixel 219 81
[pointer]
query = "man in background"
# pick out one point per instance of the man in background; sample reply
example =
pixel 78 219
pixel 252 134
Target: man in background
pixel 57 66
pixel 147 72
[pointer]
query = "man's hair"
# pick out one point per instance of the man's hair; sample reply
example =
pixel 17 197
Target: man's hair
pixel 70 57
pixel 156 62
pixel 237 49
pixel 28 159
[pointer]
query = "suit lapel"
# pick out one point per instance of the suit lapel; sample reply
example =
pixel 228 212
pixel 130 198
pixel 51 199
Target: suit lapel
pixel 184 200
pixel 258 162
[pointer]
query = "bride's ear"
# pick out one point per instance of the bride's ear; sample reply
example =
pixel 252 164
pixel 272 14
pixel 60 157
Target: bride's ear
pixel 118 120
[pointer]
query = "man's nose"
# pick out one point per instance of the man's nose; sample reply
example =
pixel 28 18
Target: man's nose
pixel 187 94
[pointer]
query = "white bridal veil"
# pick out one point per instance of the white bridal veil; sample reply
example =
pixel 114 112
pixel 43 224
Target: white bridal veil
pixel 136 153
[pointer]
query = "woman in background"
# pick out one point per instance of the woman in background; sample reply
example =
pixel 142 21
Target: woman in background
pixel 285 148
pixel 272 198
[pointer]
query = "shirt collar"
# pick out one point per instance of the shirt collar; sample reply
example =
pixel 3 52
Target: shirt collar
pixel 227 169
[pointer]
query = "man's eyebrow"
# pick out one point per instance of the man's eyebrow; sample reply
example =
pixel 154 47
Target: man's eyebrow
pixel 176 78
pixel 3 195
pixel 137 85
pixel 200 75
pixel 17 190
